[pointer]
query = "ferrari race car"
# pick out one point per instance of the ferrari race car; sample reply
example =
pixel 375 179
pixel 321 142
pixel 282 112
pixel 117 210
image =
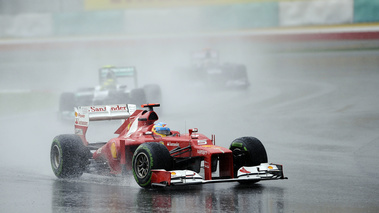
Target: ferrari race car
pixel 156 155
pixel 206 67
pixel 109 91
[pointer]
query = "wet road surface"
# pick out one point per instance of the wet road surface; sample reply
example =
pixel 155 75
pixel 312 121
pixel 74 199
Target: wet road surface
pixel 315 112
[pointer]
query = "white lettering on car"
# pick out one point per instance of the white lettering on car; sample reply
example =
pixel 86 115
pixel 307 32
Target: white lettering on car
pixel 97 109
pixel 172 144
pixel 201 152
pixel 118 108
pixel 201 142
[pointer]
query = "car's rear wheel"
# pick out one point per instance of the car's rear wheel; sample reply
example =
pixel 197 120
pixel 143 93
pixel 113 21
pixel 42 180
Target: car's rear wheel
pixel 68 156
pixel 247 151
pixel 149 156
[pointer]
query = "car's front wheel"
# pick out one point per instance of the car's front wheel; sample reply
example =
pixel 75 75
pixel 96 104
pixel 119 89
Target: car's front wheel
pixel 247 151
pixel 149 156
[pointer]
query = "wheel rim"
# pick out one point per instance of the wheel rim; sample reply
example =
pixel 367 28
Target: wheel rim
pixel 142 165
pixel 237 152
pixel 55 157
pixel 239 157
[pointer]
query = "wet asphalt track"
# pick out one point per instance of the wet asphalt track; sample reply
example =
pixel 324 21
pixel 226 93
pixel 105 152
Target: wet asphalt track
pixel 316 113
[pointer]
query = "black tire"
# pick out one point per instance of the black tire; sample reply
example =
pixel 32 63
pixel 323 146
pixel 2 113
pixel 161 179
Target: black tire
pixel 150 156
pixel 68 156
pixel 138 97
pixel 67 102
pixel 247 151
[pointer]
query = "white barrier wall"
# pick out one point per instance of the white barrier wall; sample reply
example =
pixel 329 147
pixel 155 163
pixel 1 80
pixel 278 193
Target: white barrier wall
pixel 241 15
pixel 26 25
pixel 315 12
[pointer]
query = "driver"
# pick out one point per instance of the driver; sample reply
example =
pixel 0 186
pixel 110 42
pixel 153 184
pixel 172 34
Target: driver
pixel 161 129
pixel 110 82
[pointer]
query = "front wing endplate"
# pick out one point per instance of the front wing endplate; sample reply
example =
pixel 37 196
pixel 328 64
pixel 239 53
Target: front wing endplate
pixel 264 171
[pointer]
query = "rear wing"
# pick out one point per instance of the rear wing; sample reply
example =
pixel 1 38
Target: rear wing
pixel 85 114
pixel 204 56
pixel 118 72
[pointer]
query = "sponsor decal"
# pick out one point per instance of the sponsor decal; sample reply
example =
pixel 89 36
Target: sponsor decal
pixel 172 144
pixel 206 164
pixel 213 147
pixel 107 108
pixel 78 115
pixel 243 170
pixel 97 109
pixel 201 152
pixel 201 142
pixel 78 131
pixel 82 123
pixel 118 108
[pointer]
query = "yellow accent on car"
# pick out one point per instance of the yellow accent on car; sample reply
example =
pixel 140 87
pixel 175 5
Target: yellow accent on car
pixel 114 150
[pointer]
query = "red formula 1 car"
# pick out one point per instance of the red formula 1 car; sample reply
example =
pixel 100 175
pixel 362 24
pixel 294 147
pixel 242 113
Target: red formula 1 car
pixel 156 155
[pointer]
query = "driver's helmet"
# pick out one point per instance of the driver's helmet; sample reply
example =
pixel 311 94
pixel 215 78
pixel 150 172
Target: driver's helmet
pixel 161 129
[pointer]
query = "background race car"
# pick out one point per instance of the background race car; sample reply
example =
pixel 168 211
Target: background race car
pixel 206 69
pixel 155 154
pixel 113 88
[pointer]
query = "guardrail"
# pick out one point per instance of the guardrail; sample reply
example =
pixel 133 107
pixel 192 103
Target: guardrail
pixel 243 15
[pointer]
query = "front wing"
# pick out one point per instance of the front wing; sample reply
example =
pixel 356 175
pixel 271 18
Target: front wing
pixel 264 171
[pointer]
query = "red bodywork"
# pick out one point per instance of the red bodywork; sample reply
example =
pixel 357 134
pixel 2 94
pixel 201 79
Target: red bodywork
pixel 137 129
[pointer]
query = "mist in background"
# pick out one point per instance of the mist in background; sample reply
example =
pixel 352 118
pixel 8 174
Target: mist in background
pixel 65 42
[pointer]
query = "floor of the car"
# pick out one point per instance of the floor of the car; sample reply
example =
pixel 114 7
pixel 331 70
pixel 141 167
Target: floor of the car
pixel 95 146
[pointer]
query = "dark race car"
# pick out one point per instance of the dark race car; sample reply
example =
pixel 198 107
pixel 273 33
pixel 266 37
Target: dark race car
pixel 111 90
pixel 155 154
pixel 206 69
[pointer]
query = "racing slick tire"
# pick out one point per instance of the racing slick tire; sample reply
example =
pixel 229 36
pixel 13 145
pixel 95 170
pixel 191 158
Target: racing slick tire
pixel 150 156
pixel 68 156
pixel 247 151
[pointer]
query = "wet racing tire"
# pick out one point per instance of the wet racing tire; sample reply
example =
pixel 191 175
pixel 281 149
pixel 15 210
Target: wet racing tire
pixel 68 156
pixel 149 156
pixel 247 151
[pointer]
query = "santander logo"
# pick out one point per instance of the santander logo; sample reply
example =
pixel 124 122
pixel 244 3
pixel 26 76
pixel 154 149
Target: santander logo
pixel 118 108
pixel 98 109
pixel 104 108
